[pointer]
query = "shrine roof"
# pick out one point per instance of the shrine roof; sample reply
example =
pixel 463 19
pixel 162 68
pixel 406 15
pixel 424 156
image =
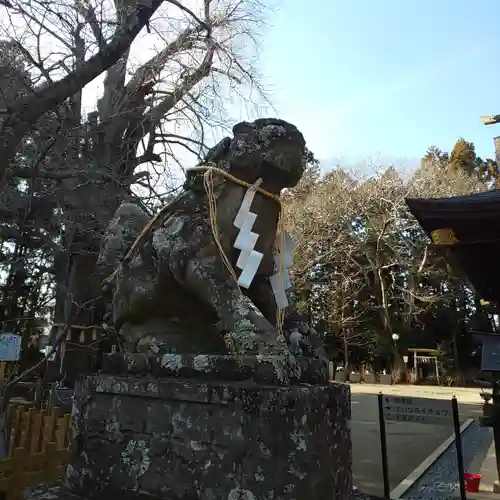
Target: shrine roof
pixel 468 229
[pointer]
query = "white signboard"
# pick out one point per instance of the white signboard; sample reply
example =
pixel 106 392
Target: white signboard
pixel 10 346
pixel 418 410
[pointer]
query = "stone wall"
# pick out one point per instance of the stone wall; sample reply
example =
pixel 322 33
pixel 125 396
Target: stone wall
pixel 184 439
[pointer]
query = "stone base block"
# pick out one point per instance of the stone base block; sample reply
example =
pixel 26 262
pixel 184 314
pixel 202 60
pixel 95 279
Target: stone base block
pixel 144 437
pixel 385 379
pixel 262 369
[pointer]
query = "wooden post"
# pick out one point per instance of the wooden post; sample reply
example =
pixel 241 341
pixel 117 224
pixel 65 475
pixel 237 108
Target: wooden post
pixel 62 352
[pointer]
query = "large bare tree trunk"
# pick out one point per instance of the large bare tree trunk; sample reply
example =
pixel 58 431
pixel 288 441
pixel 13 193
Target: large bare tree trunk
pixel 82 302
pixel 13 294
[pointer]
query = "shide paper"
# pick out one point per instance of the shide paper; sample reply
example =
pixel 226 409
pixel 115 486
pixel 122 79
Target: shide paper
pixel 249 260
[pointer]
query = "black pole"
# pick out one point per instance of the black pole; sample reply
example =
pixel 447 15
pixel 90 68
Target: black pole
pixel 383 446
pixel 458 444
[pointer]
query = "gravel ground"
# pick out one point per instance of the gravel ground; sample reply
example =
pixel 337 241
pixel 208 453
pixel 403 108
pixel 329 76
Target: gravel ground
pixel 440 481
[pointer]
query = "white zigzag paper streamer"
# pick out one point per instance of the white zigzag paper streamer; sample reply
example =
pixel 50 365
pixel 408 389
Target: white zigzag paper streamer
pixel 249 259
pixel 246 204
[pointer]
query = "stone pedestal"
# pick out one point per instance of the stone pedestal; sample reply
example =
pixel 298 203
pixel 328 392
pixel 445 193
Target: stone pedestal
pixel 174 438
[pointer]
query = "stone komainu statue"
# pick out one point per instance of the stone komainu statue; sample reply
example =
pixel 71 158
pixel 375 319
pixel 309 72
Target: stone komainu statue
pixel 175 295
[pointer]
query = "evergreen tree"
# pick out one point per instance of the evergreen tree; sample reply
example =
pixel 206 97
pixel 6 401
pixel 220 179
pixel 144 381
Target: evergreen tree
pixel 463 156
pixel 435 156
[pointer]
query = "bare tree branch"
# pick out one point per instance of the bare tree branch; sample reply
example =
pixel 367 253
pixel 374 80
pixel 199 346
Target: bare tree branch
pixel 26 111
pixel 88 12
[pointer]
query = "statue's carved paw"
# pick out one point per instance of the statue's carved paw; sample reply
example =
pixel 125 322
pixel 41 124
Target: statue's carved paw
pixel 304 341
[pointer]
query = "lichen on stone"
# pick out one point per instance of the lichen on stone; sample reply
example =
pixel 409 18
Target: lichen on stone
pixel 135 459
pixel 240 494
pixel 201 362
pixel 172 361
pixel 177 437
pixel 299 439
pixel 175 296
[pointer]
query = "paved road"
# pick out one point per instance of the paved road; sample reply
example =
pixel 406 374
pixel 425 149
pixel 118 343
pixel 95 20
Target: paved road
pixel 408 444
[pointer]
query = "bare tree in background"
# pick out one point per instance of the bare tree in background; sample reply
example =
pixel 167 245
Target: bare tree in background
pixel 22 21
pixel 395 248
pixel 359 238
pixel 320 217
pixel 344 309
pixel 79 157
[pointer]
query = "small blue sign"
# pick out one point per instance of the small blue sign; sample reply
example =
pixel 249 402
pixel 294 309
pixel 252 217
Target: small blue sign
pixel 10 346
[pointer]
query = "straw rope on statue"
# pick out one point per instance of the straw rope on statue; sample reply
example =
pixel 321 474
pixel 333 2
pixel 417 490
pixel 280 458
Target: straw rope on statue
pixel 249 259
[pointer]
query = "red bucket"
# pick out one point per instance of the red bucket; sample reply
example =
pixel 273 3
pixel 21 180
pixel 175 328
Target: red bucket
pixel 472 482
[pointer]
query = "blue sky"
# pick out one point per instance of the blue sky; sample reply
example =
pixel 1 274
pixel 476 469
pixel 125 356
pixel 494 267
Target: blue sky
pixel 385 78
